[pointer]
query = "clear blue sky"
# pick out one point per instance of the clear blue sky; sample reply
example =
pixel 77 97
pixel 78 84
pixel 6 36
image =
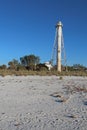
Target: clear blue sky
pixel 28 27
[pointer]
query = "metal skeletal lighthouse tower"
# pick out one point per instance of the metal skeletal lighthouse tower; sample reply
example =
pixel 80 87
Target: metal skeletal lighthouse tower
pixel 58 54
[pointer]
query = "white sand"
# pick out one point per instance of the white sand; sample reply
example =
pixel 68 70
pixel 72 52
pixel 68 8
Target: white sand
pixel 43 103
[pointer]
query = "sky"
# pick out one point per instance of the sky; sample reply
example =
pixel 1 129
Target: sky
pixel 28 27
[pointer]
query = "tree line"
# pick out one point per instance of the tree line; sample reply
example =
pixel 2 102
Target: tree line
pixel 27 62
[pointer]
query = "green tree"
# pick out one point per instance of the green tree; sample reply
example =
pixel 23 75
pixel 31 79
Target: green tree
pixel 79 67
pixel 3 67
pixel 13 64
pixel 30 60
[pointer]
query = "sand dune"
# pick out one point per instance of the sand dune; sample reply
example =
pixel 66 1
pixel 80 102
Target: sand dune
pixel 43 103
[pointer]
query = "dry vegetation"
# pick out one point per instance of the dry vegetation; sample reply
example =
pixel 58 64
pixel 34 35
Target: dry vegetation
pixel 4 72
pixel 73 88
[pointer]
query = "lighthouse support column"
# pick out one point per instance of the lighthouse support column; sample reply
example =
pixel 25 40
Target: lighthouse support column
pixel 59 40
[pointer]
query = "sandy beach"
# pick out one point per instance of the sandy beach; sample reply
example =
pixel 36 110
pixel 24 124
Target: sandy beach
pixel 43 103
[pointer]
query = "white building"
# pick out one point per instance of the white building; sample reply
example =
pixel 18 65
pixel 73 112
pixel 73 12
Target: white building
pixel 48 65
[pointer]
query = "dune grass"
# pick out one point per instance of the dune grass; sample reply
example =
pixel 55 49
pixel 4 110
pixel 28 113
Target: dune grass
pixel 42 73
